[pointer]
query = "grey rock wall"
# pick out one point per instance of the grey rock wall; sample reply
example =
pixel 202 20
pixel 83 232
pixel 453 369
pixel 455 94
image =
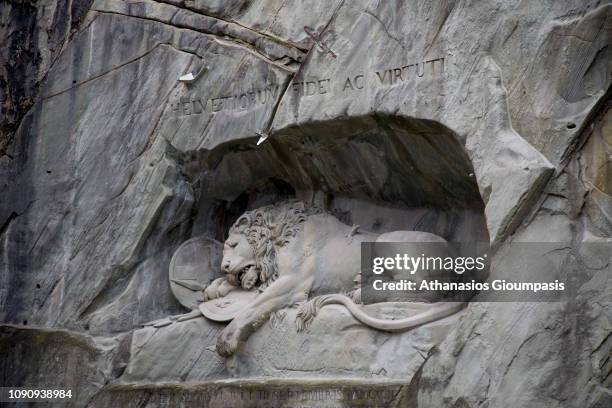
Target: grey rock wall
pixel 473 120
pixel 33 35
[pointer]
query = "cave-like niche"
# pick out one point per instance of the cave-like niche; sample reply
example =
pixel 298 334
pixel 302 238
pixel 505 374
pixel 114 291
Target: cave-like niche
pixel 382 173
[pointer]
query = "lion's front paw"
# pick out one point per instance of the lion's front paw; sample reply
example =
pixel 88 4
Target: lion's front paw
pixel 218 288
pixel 210 293
pixel 227 342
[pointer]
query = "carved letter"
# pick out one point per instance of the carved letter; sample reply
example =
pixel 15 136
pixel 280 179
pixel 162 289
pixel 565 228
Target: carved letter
pixel 358 77
pixel 216 104
pixel 311 90
pixel 322 89
pixel 433 65
pixel 397 73
pixel 297 87
pixel 195 104
pixel 186 106
pixel 252 98
pixel 407 68
pixel 244 103
pixel 422 64
pixel 262 96
pixel 382 79
pixel 273 89
pixel 232 101
pixel 347 84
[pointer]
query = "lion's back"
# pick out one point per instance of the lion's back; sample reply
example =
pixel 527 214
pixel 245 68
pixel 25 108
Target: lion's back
pixel 332 253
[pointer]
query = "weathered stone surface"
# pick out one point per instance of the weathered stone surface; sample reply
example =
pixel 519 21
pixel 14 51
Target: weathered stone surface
pixel 47 358
pixel 337 346
pixel 469 98
pixel 182 352
pixel 282 19
pixel 270 49
pixel 103 198
pixel 471 120
pixel 33 34
pixel 540 354
pixel 334 346
pixel 466 94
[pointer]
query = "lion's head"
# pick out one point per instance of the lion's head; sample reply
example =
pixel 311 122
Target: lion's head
pixel 255 237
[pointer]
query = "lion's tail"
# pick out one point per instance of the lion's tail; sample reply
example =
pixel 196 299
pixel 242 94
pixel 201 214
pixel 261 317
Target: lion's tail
pixel 429 313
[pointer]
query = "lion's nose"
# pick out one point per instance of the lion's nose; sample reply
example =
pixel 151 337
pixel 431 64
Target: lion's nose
pixel 226 266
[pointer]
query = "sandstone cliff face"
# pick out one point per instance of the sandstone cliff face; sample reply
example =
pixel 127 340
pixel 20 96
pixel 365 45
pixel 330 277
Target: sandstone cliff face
pixel 473 120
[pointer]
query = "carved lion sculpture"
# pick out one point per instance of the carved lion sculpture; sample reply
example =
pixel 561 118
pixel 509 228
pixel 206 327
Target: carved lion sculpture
pixel 295 253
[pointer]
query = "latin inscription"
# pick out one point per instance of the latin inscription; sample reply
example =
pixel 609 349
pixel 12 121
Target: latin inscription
pixel 310 88
pixel 261 396
pixel 386 77
pixel 243 101
pixel 400 74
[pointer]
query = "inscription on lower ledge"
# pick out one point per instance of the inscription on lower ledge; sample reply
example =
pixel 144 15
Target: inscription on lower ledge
pixel 260 395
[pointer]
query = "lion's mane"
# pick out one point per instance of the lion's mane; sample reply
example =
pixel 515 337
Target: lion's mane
pixel 269 228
